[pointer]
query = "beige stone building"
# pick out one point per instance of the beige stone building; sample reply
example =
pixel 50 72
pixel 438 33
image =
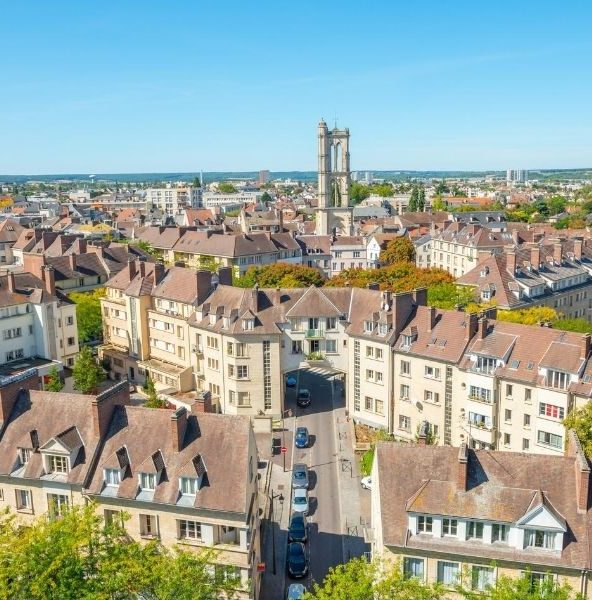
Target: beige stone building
pixel 455 515
pixel 59 450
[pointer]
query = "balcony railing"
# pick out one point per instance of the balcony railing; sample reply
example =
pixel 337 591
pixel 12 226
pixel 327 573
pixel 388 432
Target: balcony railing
pixel 315 333
pixel 481 399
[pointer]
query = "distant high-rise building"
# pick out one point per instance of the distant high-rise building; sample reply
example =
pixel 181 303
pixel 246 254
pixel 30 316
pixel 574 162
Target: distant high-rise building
pixel 263 177
pixel 516 176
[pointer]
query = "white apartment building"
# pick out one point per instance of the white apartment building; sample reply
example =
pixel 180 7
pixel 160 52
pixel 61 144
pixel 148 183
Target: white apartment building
pixel 174 200
pixel 213 199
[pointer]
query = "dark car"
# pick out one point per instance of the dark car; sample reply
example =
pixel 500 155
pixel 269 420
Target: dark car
pixel 297 563
pixel 297 529
pixel 300 476
pixel 303 398
pixel 301 438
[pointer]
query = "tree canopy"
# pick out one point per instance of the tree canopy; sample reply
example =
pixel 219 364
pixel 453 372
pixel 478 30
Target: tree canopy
pixel 580 420
pixel 88 314
pixel 54 382
pixel 400 249
pixel 226 187
pixel 283 275
pixel 80 557
pixel 153 400
pixel 87 374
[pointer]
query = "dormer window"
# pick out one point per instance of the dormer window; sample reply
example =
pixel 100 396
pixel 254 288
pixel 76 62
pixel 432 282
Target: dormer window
pixel 538 538
pixel 383 329
pixel 248 323
pixel 147 482
pixel 188 486
pixel 112 476
pixel 57 464
pixel 24 455
pixel 368 326
pixel 407 341
pixel 557 379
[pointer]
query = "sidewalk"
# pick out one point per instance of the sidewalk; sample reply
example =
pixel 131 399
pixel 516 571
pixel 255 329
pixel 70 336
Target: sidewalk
pixel 354 501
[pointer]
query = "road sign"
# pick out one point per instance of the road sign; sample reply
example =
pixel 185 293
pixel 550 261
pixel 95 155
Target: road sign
pixel 260 567
pixel 284 450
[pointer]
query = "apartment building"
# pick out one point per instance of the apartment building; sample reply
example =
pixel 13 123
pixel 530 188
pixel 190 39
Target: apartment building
pixel 555 273
pixel 164 469
pixel 36 320
pixel 174 200
pixel 348 252
pixel 10 231
pixel 238 199
pixel 456 515
pixel 316 252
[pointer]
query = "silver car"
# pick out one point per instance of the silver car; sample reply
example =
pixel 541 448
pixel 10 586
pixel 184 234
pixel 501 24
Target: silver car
pixel 300 501
pixel 300 476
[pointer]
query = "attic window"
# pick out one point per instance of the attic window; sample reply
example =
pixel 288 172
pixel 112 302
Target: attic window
pixel 248 323
pixel 112 476
pixel 484 271
pixel 57 464
pixel 188 486
pixel 514 364
pixel 147 481
pixel 368 326
pixel 530 365
pixel 587 378
pixel 24 455
pixel 383 328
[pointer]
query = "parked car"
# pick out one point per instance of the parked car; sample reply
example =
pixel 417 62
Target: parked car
pixel 291 381
pixel 366 483
pixel 303 398
pixel 297 561
pixel 297 529
pixel 296 591
pixel 300 476
pixel 301 439
pixel 300 501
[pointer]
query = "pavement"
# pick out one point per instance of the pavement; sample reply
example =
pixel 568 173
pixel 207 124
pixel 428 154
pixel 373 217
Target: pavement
pixel 338 506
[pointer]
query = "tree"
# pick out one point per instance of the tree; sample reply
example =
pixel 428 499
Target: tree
pixel 450 296
pixel 358 192
pixel 421 200
pixel 80 557
pixel 54 381
pixel 400 249
pixel 412 206
pixel 265 197
pixel 87 374
pixel 283 275
pixel 153 400
pixel 438 203
pixel 580 420
pixel 359 579
pixel 226 187
pixel 528 316
pixel 88 314
pixel 196 182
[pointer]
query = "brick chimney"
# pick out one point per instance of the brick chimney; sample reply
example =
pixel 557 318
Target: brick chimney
pixel 255 298
pixel 105 402
pixel 11 387
pixel 142 268
pixel 577 246
pixel 178 428
pixel 535 257
pixel 431 318
pixel 557 252
pixel 204 285
pixel 582 471
pixel 11 282
pixel 482 328
pixel 585 346
pixel 159 272
pixel 82 246
pixel 131 268
pixel 225 276
pixel 420 296
pixel 511 261
pixel 203 403
pixel 72 262
pixel 49 279
pixel 463 468
pixel 470 326
pixel 277 296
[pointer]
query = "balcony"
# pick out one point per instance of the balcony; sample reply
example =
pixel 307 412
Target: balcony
pixel 482 433
pixel 481 399
pixel 315 334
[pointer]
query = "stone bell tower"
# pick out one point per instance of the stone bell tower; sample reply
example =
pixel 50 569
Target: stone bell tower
pixel 334 213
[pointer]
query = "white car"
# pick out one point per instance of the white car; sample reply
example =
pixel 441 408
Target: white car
pixel 367 483
pixel 300 501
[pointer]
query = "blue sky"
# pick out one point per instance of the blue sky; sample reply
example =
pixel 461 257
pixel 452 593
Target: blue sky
pixel 133 86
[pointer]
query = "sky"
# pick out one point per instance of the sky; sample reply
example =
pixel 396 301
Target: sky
pixel 128 86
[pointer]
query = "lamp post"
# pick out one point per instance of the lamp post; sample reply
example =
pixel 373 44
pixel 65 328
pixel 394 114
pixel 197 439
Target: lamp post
pixel 280 497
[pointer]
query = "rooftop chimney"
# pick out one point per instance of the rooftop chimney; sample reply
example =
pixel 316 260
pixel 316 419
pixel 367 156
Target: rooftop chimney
pixel 225 276
pixel 482 328
pixel 420 296
pixel 72 262
pixel 470 326
pixel 431 318
pixel 511 261
pixel 463 468
pixel 204 285
pixel 11 282
pixel 577 246
pixel 10 389
pixel 582 470
pixel 159 272
pixel 255 298
pixel 535 257
pixel 178 427
pixel 585 346
pixel 557 252
pixel 49 279
pixel 105 402
pixel 131 268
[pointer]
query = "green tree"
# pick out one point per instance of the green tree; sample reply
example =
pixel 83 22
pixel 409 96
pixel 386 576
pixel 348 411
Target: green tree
pixel 413 201
pixel 580 420
pixel 438 203
pixel 283 275
pixel 153 400
pixel 400 249
pixel 421 200
pixel 226 187
pixel 79 557
pixel 441 188
pixel 87 374
pixel 88 314
pixel 54 381
pixel 265 197
pixel 450 296
pixel 196 182
pixel 358 192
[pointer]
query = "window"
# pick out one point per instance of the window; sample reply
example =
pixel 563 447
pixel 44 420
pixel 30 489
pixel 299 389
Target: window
pixel 507 439
pixel 508 416
pixel 538 538
pixel 527 395
pixel 378 376
pixel 57 504
pixel 413 567
pixel 148 526
pixel 448 572
pixel 479 393
pixel 189 530
pixel 481 578
pixel 296 347
pixel 449 526
pixel 23 500
pixel 508 390
pixel 379 407
pixel 404 423
pixel 536 579
pixel 248 323
pixel 432 372
pixel 331 323
pixel 485 364
pixel 331 346
pixel 369 351
pixel 58 464
pixel 526 420
pixel 369 374
pixel 429 396
pixel 69 320
pixel 525 444
pixel 368 326
pixel 112 476
pixel 212 342
pixel 378 353
pixel 368 403
pixel 112 517
pixel 242 372
pixel 474 530
pixel 499 532
pixel 188 486
pixel 24 455
pixel 424 524
pixel 405 367
pixel 148 481
pixel 551 410
pixel 549 439
pixel 557 379
pixel 213 364
pixel 404 392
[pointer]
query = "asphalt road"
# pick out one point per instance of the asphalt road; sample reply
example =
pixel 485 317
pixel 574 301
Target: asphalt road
pixel 325 546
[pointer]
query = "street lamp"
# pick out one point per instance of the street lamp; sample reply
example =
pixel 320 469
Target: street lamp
pixel 280 497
